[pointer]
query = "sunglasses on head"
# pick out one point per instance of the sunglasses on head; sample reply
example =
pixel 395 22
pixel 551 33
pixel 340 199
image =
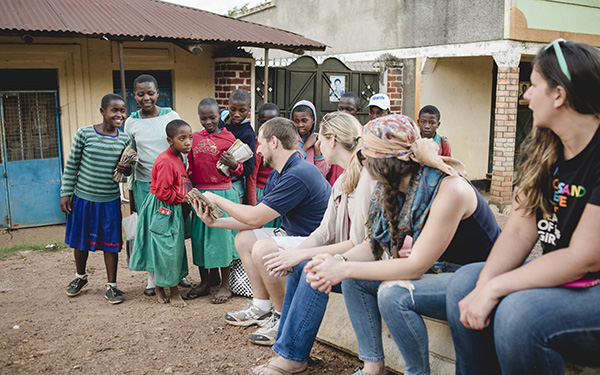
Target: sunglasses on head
pixel 560 56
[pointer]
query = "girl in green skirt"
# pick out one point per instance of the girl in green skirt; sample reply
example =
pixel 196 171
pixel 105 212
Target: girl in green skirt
pixel 160 243
pixel 212 247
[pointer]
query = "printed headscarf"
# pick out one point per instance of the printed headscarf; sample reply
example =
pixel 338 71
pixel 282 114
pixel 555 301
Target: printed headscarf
pixel 397 136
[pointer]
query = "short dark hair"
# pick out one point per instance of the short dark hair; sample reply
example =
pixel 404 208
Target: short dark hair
pixel 431 110
pixel 145 78
pixel 303 108
pixel 108 98
pixel 240 95
pixel 173 126
pixel 269 107
pixel 208 102
pixel 352 96
pixel 282 129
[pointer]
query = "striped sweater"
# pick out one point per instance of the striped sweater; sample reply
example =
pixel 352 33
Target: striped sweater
pixel 89 168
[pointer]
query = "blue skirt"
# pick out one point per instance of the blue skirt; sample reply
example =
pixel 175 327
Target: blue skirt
pixel 94 225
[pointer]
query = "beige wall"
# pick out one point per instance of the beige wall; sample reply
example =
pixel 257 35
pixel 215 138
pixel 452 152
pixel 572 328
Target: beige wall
pixel 85 68
pixel 462 90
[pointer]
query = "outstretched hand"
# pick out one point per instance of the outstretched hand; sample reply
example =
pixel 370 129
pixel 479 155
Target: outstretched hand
pixel 201 211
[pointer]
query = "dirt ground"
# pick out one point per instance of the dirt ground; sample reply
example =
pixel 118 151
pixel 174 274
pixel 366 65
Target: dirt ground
pixel 44 331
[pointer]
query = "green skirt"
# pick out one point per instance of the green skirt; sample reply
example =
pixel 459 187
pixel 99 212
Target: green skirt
pixel 159 244
pixel 214 247
pixel 275 223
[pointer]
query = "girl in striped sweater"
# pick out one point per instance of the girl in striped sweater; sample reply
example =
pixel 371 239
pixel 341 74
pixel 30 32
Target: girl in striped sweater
pixel 90 197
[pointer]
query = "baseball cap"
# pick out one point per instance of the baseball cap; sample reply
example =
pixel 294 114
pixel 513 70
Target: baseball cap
pixel 380 100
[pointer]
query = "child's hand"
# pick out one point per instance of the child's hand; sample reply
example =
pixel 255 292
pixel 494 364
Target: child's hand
pixel 124 168
pixel 65 204
pixel 310 142
pixel 228 159
pixel 317 148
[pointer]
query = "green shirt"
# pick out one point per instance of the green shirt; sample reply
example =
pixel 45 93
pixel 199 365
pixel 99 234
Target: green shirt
pixel 91 163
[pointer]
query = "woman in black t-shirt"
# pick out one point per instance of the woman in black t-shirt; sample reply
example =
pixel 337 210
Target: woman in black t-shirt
pixel 530 318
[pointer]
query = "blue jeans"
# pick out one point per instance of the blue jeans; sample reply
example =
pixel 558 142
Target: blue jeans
pixel 367 303
pixel 301 316
pixel 533 331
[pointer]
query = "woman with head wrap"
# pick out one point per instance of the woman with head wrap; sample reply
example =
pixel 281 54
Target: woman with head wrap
pixel 422 195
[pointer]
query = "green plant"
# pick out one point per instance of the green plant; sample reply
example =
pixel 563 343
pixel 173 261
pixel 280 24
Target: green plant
pixel 236 10
pixel 5 252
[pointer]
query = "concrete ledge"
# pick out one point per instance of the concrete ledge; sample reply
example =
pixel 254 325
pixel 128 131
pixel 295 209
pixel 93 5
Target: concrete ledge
pixel 336 330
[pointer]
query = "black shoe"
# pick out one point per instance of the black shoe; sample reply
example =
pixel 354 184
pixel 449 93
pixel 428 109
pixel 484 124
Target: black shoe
pixel 114 295
pixel 184 283
pixel 149 292
pixel 76 286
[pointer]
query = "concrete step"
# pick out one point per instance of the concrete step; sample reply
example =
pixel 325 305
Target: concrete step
pixel 336 330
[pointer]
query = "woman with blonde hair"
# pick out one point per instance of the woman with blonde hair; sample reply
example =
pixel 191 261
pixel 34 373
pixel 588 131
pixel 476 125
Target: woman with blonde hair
pixel 419 194
pixel 528 318
pixel 342 227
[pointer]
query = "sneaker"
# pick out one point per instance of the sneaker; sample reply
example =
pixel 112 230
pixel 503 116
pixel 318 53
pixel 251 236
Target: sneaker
pixel 248 316
pixel 266 334
pixel 359 371
pixel 76 286
pixel 150 292
pixel 114 295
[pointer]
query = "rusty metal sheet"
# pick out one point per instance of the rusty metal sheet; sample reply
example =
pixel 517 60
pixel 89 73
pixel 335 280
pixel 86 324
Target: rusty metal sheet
pixel 143 19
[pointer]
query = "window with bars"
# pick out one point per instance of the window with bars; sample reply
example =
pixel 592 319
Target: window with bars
pixel 29 126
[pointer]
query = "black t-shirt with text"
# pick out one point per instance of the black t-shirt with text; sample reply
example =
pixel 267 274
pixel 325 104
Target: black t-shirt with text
pixel 575 183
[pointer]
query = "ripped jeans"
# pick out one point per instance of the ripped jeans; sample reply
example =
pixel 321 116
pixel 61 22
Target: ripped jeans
pixel 368 301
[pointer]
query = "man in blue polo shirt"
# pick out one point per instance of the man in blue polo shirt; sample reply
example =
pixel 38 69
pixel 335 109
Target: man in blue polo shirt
pixel 297 193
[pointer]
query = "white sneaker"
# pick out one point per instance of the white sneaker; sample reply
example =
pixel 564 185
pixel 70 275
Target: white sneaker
pixel 248 316
pixel 266 334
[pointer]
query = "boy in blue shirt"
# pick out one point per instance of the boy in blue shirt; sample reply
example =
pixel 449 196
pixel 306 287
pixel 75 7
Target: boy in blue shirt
pixel 235 119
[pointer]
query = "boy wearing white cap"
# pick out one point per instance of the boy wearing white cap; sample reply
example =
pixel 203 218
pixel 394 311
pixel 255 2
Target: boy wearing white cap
pixel 379 105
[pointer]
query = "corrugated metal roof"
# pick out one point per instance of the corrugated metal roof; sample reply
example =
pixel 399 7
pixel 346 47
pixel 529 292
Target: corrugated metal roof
pixel 148 19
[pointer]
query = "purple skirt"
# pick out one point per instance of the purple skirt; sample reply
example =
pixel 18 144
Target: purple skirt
pixel 94 225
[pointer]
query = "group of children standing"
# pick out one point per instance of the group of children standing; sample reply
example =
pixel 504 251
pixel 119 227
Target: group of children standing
pixel 171 161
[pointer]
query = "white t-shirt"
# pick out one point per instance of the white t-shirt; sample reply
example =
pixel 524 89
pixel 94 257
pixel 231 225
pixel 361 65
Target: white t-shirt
pixel 149 140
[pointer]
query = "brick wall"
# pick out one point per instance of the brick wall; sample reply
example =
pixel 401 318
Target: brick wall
pixel 394 86
pixel 505 128
pixel 232 73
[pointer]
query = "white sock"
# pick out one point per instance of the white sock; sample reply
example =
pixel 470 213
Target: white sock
pixel 108 285
pixel 151 283
pixel 263 304
pixel 84 276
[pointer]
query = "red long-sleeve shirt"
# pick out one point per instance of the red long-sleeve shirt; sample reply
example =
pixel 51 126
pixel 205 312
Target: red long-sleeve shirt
pixel 202 160
pixel 170 182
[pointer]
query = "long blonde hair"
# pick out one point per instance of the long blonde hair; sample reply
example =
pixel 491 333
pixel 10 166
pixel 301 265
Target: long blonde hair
pixel 346 130
pixel 542 147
